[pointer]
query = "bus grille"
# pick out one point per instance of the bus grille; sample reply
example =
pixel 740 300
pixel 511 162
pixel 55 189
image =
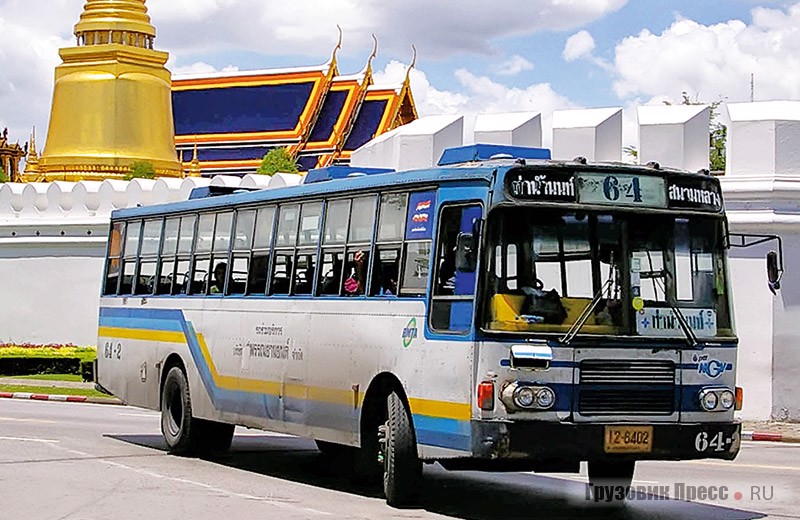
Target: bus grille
pixel 627 388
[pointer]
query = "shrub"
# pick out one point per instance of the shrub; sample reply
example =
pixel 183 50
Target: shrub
pixel 141 170
pixel 29 359
pixel 277 160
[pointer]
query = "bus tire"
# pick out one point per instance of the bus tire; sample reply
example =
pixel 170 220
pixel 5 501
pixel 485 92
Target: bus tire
pixel 402 471
pixel 177 424
pixel 614 478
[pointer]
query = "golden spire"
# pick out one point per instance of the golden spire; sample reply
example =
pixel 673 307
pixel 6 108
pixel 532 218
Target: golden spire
pixel 114 61
pixel 194 166
pixel 32 161
pixel 115 21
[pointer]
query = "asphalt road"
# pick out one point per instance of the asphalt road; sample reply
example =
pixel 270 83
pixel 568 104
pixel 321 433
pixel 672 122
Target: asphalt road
pixel 64 461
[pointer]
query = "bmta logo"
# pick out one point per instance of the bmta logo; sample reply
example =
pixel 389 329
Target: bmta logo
pixel 410 332
pixel 713 368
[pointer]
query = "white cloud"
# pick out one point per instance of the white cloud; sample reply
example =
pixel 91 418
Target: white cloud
pixel 716 61
pixel 513 66
pixel 579 45
pixel 438 29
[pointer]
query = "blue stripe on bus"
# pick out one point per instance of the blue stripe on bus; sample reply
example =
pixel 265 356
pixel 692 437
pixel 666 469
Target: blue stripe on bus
pixel 169 325
pixel 442 432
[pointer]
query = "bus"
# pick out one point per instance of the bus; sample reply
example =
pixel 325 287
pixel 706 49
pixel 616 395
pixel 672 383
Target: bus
pixel 501 311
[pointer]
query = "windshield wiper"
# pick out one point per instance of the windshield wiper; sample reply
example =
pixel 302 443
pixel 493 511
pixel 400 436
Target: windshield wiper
pixel 589 309
pixel 687 330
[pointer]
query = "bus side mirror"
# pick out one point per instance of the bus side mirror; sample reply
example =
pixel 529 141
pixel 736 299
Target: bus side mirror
pixel 773 272
pixel 466 253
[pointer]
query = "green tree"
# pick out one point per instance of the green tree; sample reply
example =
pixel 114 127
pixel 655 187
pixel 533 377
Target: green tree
pixel 717 132
pixel 141 170
pixel 3 176
pixel 277 160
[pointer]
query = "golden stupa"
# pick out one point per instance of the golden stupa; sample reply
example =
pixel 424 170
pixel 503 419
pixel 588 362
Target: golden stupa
pixel 112 102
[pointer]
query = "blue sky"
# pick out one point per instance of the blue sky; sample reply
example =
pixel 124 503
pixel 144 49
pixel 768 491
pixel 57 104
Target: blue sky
pixel 474 56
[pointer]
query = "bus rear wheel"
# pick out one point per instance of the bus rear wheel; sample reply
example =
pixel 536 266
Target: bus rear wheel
pixel 183 433
pixel 402 469
pixel 611 481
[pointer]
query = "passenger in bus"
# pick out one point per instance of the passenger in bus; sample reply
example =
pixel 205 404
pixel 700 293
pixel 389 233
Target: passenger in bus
pixel 356 279
pixel 331 279
pixel 218 285
pixel 447 274
pixel 389 279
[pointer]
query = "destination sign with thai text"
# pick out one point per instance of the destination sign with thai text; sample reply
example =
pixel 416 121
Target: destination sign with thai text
pixel 671 190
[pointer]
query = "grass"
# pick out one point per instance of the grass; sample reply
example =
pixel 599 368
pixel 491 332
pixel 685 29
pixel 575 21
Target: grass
pixel 50 377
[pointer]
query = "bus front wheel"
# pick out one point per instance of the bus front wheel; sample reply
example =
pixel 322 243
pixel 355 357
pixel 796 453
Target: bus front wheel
pixel 402 469
pixel 185 434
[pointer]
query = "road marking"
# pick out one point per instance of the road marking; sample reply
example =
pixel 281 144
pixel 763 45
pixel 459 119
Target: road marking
pixel 16 419
pixel 277 502
pixel 26 439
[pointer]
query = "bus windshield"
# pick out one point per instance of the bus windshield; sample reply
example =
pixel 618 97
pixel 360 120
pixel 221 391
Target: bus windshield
pixel 547 267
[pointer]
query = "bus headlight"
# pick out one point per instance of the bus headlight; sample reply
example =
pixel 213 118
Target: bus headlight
pixel 708 399
pixel 524 396
pixel 727 399
pixel 545 398
pixel 527 397
pixel 716 399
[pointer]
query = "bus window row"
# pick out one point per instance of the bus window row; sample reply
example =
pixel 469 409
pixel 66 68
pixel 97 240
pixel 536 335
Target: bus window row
pixel 340 247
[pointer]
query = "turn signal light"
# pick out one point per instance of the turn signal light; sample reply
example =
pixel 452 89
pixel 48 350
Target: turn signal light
pixel 739 398
pixel 486 395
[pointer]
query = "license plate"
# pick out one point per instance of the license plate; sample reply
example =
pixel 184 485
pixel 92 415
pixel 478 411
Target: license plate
pixel 628 439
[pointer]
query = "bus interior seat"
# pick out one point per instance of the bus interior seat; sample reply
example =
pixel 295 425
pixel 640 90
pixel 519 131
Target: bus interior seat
pixel 505 315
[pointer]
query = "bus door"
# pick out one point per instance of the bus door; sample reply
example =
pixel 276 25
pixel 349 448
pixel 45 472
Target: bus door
pixel 453 295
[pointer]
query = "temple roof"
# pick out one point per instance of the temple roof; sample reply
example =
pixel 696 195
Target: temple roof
pixel 234 118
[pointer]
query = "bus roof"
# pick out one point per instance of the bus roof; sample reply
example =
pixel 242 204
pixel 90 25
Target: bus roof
pixel 479 171
pixel 475 173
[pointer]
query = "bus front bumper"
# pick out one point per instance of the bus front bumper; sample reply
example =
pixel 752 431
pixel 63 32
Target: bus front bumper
pixel 539 440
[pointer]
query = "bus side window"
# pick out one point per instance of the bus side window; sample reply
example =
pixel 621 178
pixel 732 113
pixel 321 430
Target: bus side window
pixel 391 226
pixel 114 254
pixel 417 247
pixel 262 241
pixel 131 251
pixel 281 274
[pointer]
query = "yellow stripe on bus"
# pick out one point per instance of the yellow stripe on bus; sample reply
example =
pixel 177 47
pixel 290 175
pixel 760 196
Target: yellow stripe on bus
pixel 428 407
pixel 141 334
pixel 444 409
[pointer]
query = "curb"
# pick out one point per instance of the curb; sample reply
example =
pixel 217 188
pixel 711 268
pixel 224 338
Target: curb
pixel 61 398
pixel 769 437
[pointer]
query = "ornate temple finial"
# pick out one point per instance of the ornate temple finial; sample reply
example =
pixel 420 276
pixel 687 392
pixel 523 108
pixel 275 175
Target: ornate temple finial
pixel 32 161
pixel 338 46
pixel 194 166
pixel 411 65
pixel 368 68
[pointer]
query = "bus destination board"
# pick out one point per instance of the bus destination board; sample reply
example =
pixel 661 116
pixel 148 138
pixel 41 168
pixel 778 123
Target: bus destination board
pixel 617 189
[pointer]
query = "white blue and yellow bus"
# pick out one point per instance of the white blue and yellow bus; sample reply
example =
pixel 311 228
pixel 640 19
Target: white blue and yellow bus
pixel 494 313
